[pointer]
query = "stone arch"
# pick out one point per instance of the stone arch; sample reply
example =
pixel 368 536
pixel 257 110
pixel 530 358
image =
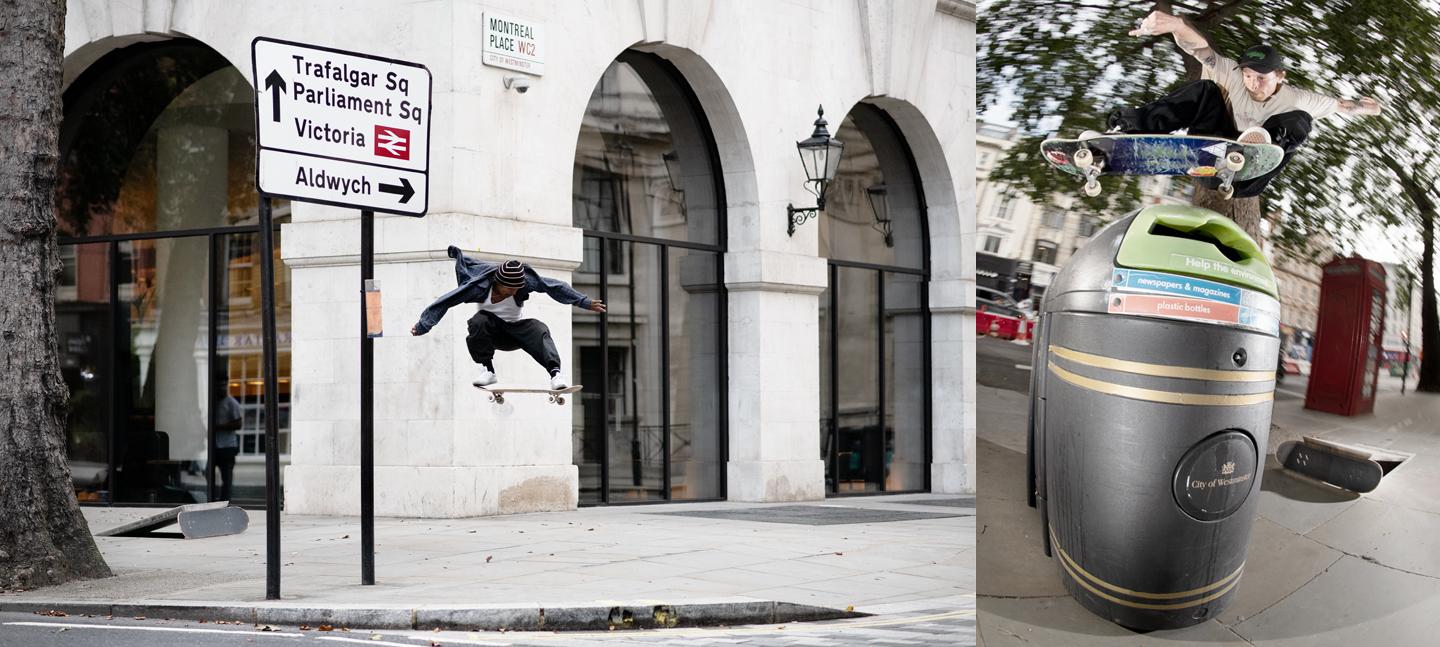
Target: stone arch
pixel 949 216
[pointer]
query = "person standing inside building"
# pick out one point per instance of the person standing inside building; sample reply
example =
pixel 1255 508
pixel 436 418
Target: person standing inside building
pixel 501 289
pixel 228 420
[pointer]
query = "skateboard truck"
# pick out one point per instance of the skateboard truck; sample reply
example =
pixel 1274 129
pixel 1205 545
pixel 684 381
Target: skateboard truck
pixel 1234 161
pixel 1086 160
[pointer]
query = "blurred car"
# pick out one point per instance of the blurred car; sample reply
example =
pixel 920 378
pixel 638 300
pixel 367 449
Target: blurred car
pixel 998 315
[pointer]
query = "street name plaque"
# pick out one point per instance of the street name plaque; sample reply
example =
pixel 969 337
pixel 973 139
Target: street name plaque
pixel 341 128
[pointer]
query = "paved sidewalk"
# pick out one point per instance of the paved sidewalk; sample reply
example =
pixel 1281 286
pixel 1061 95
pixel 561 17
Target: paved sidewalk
pixel 1325 567
pixel 580 569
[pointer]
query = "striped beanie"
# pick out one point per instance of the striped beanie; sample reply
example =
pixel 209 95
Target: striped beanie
pixel 511 274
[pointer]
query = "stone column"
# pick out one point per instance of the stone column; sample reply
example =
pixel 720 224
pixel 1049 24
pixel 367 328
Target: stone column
pixel 774 341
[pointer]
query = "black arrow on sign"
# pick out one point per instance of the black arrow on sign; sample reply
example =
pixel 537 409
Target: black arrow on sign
pixel 275 85
pixel 404 190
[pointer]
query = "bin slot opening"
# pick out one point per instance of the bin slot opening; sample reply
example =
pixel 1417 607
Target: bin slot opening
pixel 1201 235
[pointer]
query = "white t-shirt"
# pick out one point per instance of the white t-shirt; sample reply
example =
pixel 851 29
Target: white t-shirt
pixel 1249 112
pixel 506 310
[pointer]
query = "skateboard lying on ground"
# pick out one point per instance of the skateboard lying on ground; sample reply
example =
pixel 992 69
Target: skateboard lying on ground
pixel 497 392
pixel 1345 467
pixel 1196 156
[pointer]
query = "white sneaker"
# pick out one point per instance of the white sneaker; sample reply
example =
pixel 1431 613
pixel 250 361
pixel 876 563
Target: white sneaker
pixel 1254 135
pixel 487 377
pixel 557 383
pixel 1090 134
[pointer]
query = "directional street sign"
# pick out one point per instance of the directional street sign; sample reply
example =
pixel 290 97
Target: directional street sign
pixel 341 128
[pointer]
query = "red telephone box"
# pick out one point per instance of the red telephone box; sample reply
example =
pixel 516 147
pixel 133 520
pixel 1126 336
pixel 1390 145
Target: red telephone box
pixel 1348 337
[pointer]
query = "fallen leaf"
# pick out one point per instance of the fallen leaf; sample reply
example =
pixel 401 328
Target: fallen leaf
pixel 326 628
pixel 304 627
pixel 488 558
pixel 375 636
pixel 265 628
pixel 52 613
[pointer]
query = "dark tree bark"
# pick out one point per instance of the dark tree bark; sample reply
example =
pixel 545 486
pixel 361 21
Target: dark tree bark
pixel 43 537
pixel 1244 211
pixel 1429 316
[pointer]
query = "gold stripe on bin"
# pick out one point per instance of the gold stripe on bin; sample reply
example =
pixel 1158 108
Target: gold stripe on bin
pixel 1155 395
pixel 1160 370
pixel 1071 568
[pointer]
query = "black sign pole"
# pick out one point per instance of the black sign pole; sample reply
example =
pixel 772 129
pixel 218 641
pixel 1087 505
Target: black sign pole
pixel 367 405
pixel 272 433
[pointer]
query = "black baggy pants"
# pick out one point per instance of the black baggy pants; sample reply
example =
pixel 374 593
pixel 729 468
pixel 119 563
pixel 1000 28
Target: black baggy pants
pixel 1199 107
pixel 489 333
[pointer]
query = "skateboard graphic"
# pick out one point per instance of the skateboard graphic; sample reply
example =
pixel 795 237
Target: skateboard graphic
pixel 1195 156
pixel 497 392
pixel 1339 465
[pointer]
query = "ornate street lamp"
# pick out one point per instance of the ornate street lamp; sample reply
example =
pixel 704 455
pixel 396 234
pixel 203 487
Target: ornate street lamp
pixel 672 170
pixel 820 154
pixel 881 209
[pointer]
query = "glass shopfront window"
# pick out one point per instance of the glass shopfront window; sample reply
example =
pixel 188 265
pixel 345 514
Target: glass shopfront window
pixel 874 341
pixel 159 306
pixel 649 424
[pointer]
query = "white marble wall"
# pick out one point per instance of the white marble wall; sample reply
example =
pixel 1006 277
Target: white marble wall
pixel 500 181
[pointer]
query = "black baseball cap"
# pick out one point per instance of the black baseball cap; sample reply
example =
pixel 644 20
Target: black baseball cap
pixel 1262 59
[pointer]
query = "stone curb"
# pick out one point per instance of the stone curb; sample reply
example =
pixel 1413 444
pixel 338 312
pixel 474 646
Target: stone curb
pixel 620 616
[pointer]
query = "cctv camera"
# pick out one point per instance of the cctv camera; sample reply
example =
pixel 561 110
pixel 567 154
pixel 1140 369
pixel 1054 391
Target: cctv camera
pixel 517 83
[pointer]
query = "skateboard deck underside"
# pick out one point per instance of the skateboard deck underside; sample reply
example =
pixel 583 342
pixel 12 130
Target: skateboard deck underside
pixel 1163 155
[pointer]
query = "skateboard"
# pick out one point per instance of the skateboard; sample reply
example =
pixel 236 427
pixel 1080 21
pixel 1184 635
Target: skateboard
pixel 1196 156
pixel 497 392
pixel 199 524
pixel 1339 465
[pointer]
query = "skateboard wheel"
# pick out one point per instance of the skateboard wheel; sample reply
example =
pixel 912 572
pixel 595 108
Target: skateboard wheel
pixel 1234 161
pixel 1226 191
pixel 1092 188
pixel 499 399
pixel 560 400
pixel 1082 158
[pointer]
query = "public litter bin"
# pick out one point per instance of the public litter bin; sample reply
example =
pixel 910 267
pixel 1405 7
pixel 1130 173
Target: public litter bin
pixel 1151 390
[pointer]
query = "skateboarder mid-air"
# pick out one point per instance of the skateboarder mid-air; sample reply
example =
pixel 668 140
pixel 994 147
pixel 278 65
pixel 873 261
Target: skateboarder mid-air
pixel 1245 100
pixel 501 289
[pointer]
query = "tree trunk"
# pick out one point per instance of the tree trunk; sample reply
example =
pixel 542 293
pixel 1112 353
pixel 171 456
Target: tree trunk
pixel 43 537
pixel 1244 211
pixel 1429 318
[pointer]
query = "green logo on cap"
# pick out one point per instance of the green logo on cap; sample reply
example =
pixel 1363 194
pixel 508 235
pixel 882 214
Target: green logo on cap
pixel 1254 53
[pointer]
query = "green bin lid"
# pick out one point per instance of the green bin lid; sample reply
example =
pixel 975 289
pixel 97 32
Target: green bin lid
pixel 1196 242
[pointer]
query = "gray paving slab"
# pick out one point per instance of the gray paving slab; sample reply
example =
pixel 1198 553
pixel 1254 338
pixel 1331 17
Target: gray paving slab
pixel 1298 503
pixel 1352 603
pixel 1392 535
pixel 1062 622
pixel 1414 484
pixel 1279 563
pixel 812 515
pixel 584 556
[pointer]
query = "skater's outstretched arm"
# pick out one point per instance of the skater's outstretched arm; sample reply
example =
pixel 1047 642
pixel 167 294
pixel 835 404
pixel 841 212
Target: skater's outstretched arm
pixel 436 310
pixel 1359 107
pixel 562 292
pixel 1159 23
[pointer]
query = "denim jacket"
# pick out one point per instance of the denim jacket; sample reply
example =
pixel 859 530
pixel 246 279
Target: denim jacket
pixel 473 277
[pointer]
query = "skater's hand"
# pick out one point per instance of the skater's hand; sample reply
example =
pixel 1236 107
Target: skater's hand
pixel 1156 24
pixel 414 331
pixel 1369 106
pixel 597 306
